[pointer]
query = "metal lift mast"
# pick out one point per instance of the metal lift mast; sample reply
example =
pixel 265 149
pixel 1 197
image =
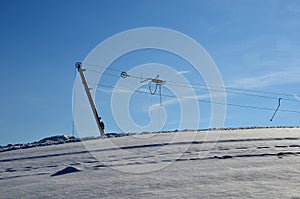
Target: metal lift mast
pixel 90 98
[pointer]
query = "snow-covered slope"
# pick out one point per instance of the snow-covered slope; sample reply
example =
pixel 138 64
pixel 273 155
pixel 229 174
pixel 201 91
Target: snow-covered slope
pixel 257 163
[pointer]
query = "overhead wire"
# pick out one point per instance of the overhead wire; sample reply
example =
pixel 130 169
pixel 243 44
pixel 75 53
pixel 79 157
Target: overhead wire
pixel 194 84
pixel 228 90
pixel 233 92
pixel 201 100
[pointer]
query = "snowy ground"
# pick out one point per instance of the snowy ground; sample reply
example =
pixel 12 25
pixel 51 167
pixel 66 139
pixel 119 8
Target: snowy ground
pixel 251 163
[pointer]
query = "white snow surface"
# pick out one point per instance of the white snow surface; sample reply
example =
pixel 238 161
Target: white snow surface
pixel 242 163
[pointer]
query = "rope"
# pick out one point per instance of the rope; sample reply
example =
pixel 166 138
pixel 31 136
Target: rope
pixel 156 85
pixel 204 101
pixel 228 90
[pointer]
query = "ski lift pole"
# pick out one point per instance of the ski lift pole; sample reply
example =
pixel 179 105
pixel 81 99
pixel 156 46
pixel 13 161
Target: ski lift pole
pixel 90 98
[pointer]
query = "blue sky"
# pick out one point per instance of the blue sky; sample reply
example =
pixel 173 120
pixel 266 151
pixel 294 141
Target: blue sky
pixel 255 45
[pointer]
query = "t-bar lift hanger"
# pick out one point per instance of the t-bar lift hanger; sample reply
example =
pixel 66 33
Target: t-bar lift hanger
pixel 279 99
pixel 158 83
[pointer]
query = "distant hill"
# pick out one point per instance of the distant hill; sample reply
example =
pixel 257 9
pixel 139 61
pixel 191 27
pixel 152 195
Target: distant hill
pixel 62 139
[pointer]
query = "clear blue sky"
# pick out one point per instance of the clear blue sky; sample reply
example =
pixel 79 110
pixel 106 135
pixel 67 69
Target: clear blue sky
pixel 255 44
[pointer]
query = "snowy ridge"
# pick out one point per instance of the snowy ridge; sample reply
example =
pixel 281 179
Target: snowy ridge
pixel 62 139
